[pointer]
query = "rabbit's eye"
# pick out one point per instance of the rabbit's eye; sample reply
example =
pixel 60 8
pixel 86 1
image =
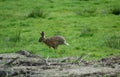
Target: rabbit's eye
pixel 40 40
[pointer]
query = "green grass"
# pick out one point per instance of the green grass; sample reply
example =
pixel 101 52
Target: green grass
pixel 86 25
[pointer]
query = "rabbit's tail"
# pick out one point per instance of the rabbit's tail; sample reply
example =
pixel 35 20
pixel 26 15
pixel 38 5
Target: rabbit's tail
pixel 66 43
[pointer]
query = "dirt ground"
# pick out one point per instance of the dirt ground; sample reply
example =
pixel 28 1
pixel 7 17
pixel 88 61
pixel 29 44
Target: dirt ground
pixel 25 64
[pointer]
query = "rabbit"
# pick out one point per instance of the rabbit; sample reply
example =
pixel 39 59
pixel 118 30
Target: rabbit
pixel 53 42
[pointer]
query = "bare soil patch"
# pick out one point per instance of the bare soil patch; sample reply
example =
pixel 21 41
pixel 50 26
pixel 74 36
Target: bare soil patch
pixel 25 64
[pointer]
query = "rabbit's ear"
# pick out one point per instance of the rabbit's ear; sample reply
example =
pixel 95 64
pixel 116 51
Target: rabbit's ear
pixel 42 33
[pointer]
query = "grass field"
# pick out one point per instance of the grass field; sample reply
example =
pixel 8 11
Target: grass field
pixel 89 26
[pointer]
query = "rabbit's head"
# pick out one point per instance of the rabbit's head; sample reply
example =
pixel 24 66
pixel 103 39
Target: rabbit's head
pixel 42 38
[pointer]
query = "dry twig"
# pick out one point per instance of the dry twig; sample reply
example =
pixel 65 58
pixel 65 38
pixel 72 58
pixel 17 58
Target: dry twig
pixel 10 62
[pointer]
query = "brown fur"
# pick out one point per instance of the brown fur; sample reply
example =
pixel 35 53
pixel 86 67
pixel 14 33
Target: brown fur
pixel 53 42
